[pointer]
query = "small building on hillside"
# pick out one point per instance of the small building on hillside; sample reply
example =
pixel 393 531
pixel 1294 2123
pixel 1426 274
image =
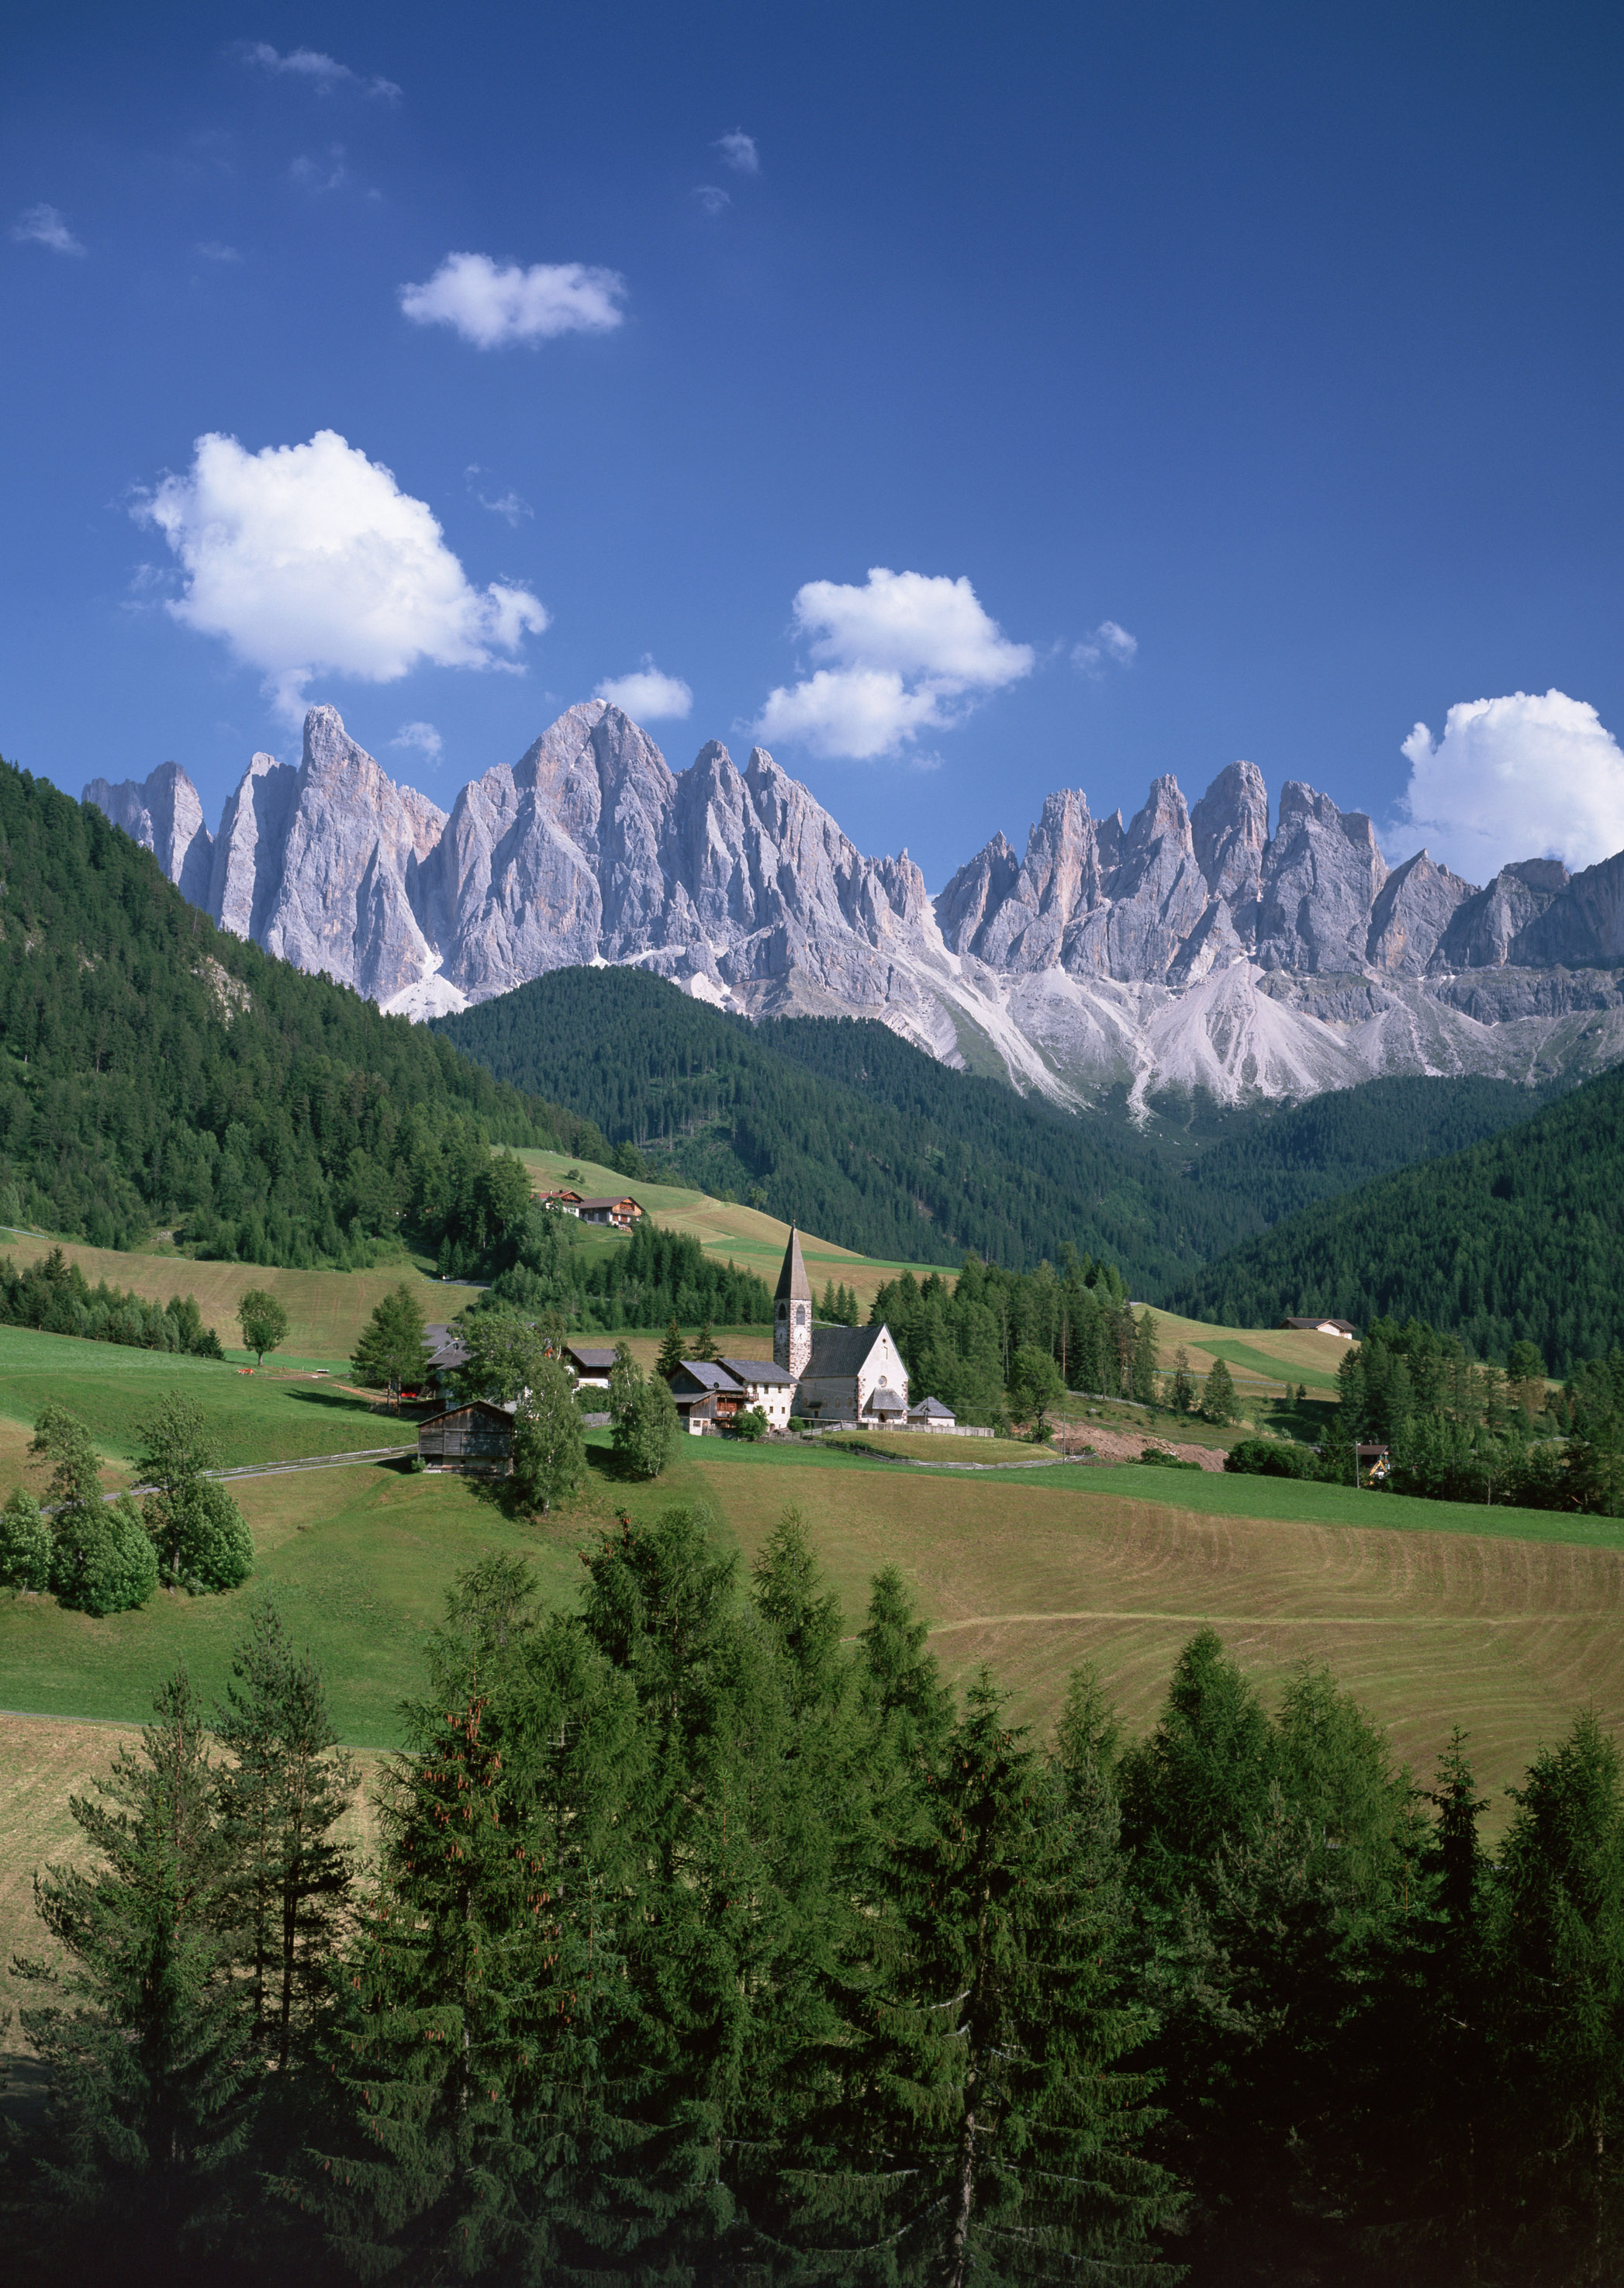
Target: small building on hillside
pixel 1342 1327
pixel 620 1214
pixel 475 1440
pixel 931 1414
pixel 562 1199
pixel 589 1365
pixel 842 1374
pixel 446 1353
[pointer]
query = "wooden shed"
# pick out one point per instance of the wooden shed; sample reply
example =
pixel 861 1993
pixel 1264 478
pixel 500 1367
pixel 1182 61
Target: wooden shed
pixel 477 1440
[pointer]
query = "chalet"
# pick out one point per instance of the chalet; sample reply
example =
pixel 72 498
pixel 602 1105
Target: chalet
pixel 842 1374
pixel 562 1199
pixel 590 1366
pixel 446 1353
pixel 707 1394
pixel 1342 1327
pixel 619 1214
pixel 475 1440
pixel 931 1414
pixel 767 1385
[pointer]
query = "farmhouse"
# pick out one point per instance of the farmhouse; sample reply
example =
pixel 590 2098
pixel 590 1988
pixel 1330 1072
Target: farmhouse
pixel 590 1365
pixel 475 1440
pixel 620 1214
pixel 1342 1327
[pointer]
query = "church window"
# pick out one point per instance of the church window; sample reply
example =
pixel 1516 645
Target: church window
pixel 800 1315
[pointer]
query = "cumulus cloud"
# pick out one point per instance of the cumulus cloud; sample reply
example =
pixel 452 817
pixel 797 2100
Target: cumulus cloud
pixel 712 197
pixel 323 72
pixel 310 557
pixel 490 306
pixel 45 225
pixel 1108 645
pixel 647 696
pixel 422 736
pixel 906 652
pixel 1521 777
pixel 739 152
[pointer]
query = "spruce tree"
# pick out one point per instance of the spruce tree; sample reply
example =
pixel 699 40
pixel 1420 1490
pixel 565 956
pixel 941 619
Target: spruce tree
pixel 286 1788
pixel 1218 1401
pixel 392 1355
pixel 705 1344
pixel 669 1360
pixel 1182 1394
pixel 142 2034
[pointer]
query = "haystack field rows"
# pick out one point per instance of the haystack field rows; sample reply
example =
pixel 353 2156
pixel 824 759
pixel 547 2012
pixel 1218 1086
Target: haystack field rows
pixel 755 1242
pixel 325 1309
pixel 1505 1638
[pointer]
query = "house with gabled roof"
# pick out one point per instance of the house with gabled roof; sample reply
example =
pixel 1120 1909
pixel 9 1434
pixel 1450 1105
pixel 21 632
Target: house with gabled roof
pixel 841 1374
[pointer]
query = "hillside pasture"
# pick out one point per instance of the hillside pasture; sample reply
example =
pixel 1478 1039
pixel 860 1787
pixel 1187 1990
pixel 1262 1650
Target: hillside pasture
pixel 325 1309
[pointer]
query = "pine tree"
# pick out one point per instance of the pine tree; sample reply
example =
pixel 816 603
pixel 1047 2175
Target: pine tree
pixel 899 1681
pixel 1000 2137
pixel 829 1310
pixel 705 1346
pixel 669 1360
pixel 145 2039
pixel 392 1355
pixel 284 1791
pixel 1146 1359
pixel 1218 1403
pixel 1182 1394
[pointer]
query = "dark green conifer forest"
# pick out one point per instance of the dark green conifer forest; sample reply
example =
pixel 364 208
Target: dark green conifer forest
pixel 713 1942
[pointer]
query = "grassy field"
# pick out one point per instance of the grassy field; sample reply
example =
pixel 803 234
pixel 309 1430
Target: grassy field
pixel 325 1309
pixel 755 1242
pixel 254 1418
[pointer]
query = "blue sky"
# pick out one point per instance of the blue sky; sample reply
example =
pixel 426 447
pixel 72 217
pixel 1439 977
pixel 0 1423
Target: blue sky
pixel 1214 382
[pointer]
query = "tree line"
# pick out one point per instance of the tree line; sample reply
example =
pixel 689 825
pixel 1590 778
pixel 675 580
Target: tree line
pixel 706 1943
pixel 655 1274
pixel 158 1072
pixel 53 1295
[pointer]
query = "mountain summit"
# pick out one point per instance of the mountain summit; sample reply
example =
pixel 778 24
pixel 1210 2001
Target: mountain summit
pixel 1188 948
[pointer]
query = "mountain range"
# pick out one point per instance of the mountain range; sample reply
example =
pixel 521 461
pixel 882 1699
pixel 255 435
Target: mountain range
pixel 1190 948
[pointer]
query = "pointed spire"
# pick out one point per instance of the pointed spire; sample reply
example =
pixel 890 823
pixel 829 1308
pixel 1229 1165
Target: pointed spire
pixel 794 1286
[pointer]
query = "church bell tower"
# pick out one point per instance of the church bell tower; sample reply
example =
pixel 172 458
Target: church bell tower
pixel 792 1312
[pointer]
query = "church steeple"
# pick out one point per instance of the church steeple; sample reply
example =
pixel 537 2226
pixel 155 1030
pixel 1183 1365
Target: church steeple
pixel 792 1312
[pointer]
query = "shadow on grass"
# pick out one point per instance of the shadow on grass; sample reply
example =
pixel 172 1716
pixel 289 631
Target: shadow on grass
pixel 339 1402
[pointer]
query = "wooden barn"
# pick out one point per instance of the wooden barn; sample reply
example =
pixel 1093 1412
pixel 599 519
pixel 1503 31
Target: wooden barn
pixel 476 1440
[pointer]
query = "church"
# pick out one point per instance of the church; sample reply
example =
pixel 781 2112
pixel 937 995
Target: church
pixel 841 1374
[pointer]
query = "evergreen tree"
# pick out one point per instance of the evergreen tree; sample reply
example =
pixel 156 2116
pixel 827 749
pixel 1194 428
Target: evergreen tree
pixel 143 2037
pixel 549 1450
pixel 1218 1401
pixel 1182 1396
pixel 283 1793
pixel 994 2084
pixel 1146 1359
pixel 1035 1386
pixel 1557 1947
pixel 263 1321
pixel 1202 1776
pixel 392 1355
pixel 705 1344
pixel 648 1429
pixel 899 1682
pixel 669 1360
pixel 625 1383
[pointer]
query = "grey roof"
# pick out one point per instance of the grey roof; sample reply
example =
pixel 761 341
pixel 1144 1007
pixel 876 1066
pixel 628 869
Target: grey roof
pixel 759 1371
pixel 595 1361
pixel 840 1350
pixel 887 1402
pixel 450 1353
pixel 711 1374
pixel 794 1286
pixel 934 1406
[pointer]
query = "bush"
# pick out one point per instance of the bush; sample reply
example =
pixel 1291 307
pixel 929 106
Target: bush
pixel 750 1423
pixel 25 1543
pixel 1157 1457
pixel 1269 1458
pixel 101 1559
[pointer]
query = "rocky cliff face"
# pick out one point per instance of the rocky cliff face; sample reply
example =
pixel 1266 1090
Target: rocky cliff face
pixel 1189 948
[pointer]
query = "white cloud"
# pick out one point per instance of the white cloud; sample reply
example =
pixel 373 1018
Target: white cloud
pixel 328 174
pixel 509 505
pixel 488 306
pixel 712 197
pixel 211 250
pixel 1521 777
pixel 323 72
pixel 45 225
pixel 739 150
pixel 1108 644
pixel 647 696
pixel 310 557
pixel 423 737
pixel 908 652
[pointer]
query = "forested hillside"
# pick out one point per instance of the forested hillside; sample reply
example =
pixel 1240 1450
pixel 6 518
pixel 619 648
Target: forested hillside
pixel 871 1142
pixel 155 1070
pixel 1518 1239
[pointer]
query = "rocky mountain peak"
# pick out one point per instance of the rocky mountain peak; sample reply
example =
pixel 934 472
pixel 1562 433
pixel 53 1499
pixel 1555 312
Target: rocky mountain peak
pixel 162 812
pixel 1230 828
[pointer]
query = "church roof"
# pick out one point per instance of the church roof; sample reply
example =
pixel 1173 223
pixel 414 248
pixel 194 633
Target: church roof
pixel 757 1370
pixel 840 1350
pixel 794 1286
